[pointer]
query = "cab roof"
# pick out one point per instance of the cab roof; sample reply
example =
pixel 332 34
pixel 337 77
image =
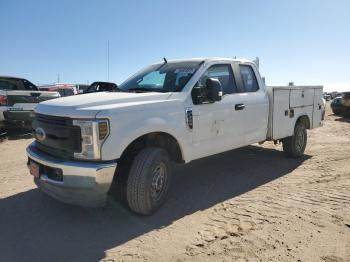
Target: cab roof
pixel 210 59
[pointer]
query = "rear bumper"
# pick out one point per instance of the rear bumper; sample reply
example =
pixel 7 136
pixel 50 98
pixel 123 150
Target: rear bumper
pixel 18 116
pixel 83 183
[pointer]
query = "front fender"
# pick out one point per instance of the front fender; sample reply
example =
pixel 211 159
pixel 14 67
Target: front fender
pixel 121 136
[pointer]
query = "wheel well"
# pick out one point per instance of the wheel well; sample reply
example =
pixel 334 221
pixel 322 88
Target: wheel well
pixel 304 120
pixel 155 139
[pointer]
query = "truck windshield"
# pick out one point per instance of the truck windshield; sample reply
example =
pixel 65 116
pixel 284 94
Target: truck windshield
pixel 167 77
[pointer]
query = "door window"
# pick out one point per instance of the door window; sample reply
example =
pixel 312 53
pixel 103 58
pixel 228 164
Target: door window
pixel 248 78
pixel 224 74
pixel 29 86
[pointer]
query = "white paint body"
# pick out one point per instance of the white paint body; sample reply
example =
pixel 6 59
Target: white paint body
pixel 217 127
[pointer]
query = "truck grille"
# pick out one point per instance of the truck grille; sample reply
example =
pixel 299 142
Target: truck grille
pixel 53 120
pixel 61 139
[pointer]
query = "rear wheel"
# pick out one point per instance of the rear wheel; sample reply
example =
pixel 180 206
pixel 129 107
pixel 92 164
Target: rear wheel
pixel 149 180
pixel 294 146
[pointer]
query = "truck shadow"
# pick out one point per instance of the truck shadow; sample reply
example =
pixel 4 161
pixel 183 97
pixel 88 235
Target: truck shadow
pixel 34 227
pixel 343 119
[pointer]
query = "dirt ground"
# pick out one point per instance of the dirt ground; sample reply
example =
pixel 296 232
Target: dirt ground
pixel 251 204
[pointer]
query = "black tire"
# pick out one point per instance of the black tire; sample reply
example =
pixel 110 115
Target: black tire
pixel 149 180
pixel 294 146
pixel 337 112
pixel 346 112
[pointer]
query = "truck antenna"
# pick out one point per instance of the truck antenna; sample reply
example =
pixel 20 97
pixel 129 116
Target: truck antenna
pixel 165 61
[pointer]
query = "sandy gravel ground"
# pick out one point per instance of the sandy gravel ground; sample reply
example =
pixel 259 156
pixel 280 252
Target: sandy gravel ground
pixel 251 204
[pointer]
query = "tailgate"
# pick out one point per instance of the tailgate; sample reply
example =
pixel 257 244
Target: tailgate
pixel 27 100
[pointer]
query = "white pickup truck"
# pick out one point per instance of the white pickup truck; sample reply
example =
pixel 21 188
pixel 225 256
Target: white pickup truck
pixel 18 97
pixel 175 111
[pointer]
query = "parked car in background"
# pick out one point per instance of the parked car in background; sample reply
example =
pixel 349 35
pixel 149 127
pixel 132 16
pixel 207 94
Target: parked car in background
pixel 345 101
pixel 101 87
pixel 62 90
pixel 77 88
pixel 18 98
pixel 336 106
pixel 82 88
pixel 327 97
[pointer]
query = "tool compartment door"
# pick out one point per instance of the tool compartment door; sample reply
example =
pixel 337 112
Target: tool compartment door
pixel 282 124
pixel 317 108
pixel 301 97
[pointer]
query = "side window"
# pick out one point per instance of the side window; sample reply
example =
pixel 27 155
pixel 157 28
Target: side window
pixel 224 74
pixel 4 85
pixel 248 77
pixel 29 86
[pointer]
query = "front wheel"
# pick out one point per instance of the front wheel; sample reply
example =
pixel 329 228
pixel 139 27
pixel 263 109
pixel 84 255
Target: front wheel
pixel 149 180
pixel 294 146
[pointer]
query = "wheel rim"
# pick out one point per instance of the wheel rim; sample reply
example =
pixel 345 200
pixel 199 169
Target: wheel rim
pixel 300 140
pixel 158 181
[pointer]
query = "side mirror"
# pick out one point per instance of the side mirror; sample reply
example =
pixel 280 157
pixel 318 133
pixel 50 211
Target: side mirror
pixel 214 89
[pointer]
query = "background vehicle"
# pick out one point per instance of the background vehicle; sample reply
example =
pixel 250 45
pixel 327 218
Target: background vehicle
pixel 62 90
pixel 337 106
pixel 327 97
pixel 101 87
pixel 77 88
pixel 82 88
pixel 168 112
pixel 18 97
pixel 345 101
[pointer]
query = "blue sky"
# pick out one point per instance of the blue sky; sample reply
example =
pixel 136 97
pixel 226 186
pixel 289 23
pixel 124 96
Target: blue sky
pixel 307 42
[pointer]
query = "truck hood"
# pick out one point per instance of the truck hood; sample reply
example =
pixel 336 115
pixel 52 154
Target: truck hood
pixel 88 105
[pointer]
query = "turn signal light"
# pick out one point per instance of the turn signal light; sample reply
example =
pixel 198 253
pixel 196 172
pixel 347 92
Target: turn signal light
pixel 3 100
pixel 102 130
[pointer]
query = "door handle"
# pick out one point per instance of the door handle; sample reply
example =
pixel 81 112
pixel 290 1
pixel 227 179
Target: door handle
pixel 239 106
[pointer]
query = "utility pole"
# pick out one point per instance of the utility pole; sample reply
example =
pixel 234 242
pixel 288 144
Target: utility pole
pixel 108 60
pixel 58 78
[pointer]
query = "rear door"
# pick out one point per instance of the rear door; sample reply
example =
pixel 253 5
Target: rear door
pixel 255 103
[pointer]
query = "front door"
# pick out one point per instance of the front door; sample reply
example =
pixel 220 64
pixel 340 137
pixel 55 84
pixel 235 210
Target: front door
pixel 218 127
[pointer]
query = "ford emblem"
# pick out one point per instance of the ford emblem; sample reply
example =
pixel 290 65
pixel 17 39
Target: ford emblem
pixel 40 134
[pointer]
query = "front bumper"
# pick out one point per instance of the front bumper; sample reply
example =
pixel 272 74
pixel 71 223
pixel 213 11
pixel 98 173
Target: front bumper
pixel 83 183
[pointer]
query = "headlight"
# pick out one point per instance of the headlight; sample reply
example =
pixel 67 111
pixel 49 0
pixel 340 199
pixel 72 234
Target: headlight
pixel 93 134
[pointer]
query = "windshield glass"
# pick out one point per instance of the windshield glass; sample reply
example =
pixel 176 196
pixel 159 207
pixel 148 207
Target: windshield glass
pixel 167 77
